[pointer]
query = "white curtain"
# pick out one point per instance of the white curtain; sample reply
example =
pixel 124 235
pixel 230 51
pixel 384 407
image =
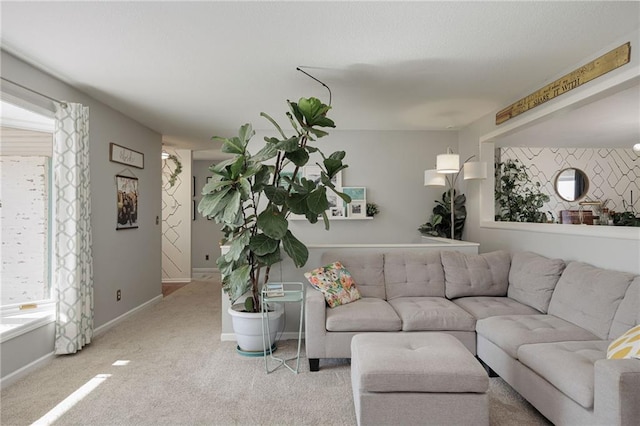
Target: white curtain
pixel 73 265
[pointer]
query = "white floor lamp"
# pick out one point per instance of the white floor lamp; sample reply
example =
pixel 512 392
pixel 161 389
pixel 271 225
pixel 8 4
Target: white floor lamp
pixel 446 174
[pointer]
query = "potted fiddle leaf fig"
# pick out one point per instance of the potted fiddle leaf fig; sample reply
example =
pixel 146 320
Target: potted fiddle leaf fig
pixel 253 194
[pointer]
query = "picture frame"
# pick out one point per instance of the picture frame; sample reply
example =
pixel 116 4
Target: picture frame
pixel 357 208
pixel 123 155
pixel 126 202
pixel 313 173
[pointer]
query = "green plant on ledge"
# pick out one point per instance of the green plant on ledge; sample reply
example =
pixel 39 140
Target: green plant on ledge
pixel 252 194
pixel 518 199
pixel 372 209
pixel 439 225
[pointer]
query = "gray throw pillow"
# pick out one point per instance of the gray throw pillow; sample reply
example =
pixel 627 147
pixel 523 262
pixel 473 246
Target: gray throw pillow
pixel 475 274
pixel 532 278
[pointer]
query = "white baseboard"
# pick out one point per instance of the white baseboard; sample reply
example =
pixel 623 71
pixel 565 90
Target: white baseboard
pixel 124 316
pixel 11 378
pixel 203 273
pixel 176 280
pixel 289 335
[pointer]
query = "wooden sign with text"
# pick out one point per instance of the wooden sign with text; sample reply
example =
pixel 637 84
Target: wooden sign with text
pixel 594 69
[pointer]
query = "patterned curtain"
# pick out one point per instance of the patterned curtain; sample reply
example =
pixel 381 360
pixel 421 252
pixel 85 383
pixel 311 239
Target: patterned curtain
pixel 73 265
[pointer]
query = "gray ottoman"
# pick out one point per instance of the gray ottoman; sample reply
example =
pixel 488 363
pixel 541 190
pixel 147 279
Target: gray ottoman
pixel 417 378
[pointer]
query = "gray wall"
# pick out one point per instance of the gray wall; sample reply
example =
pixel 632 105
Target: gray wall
pixel 127 259
pixel 205 234
pixel 390 164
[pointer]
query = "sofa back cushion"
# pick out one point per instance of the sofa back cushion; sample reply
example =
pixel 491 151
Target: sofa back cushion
pixel 628 313
pixel 413 274
pixel 589 297
pixel 366 269
pixel 532 279
pixel 475 274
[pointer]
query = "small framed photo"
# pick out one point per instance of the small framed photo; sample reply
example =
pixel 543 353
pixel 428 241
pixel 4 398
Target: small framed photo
pixel 357 209
pixel 335 212
pixel 127 202
pixel 313 173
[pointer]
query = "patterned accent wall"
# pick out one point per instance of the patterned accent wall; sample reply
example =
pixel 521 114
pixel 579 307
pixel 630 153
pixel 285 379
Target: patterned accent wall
pixel 614 174
pixel 176 220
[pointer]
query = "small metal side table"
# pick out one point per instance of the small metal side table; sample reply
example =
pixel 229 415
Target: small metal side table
pixel 290 292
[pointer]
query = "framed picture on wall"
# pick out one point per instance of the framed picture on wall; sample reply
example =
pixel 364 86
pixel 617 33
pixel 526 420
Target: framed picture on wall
pixel 313 173
pixel 357 209
pixel 358 206
pixel 127 202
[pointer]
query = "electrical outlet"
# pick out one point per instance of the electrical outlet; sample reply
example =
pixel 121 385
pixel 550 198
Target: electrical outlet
pixel 118 295
pixel 206 257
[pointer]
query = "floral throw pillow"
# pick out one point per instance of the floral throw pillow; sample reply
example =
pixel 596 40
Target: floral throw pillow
pixel 335 282
pixel 626 346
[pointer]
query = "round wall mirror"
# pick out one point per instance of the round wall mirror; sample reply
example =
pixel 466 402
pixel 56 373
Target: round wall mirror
pixel 571 184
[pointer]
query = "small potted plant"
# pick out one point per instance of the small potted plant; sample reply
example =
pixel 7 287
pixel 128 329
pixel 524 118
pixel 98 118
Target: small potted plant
pixel 252 195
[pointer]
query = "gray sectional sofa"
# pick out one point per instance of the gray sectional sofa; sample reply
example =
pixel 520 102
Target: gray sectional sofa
pixel 542 324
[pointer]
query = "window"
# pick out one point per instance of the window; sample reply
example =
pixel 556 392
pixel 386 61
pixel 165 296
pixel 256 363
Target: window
pixel 25 218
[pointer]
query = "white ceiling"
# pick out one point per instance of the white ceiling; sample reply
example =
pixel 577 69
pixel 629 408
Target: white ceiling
pixel 191 70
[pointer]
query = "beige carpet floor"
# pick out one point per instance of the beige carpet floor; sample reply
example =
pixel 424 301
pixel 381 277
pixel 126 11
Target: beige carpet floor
pixel 166 365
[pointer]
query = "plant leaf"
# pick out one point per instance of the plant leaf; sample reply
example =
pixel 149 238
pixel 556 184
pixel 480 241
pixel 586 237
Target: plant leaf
pixel 232 209
pixel 272 223
pixel 210 204
pixel 262 245
pixel 237 246
pixel 233 146
pixel 277 195
pixel 295 249
pixel 317 200
pixel 299 157
pixel 238 282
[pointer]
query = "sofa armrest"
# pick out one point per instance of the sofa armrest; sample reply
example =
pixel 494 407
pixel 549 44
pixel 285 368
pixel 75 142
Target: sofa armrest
pixel 616 396
pixel 315 320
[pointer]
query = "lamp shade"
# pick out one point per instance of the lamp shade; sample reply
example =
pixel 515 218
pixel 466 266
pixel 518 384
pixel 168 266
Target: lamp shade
pixel 475 170
pixel 448 163
pixel 433 178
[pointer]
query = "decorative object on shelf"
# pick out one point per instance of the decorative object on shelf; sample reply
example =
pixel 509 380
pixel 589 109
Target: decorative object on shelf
pixel 357 208
pixel 571 184
pixel 517 198
pixel 245 195
pixel 177 167
pixel 629 217
pixel 450 214
pixel 122 155
pixel 372 209
pixel 127 202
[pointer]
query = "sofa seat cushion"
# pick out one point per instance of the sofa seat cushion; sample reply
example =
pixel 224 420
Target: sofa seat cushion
pixel 432 313
pixel 366 314
pixel 487 306
pixel 569 366
pixel 509 332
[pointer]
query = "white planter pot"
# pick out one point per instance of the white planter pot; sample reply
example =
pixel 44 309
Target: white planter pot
pixel 247 326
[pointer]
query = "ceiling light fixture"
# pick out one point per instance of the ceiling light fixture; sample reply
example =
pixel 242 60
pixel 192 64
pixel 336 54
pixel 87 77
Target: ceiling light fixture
pixel 636 147
pixel 164 155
